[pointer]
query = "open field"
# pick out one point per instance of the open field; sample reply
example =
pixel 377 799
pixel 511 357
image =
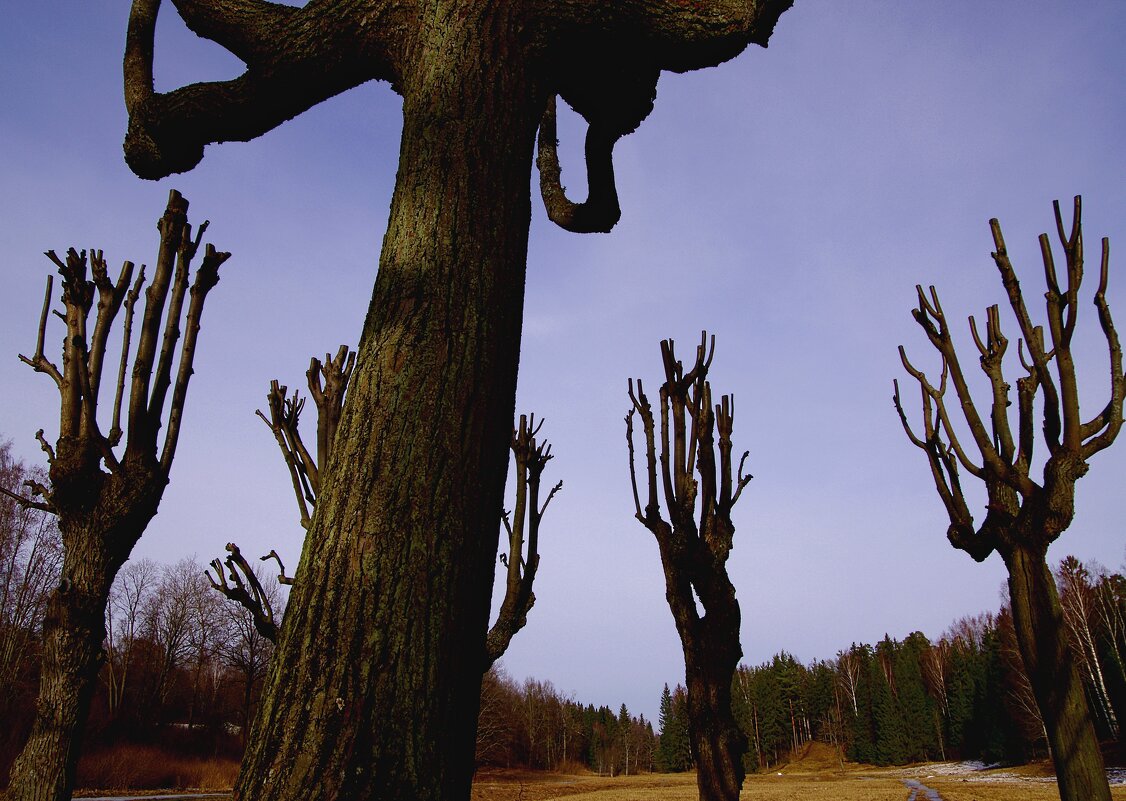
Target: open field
pixel 816 776
pixel 851 784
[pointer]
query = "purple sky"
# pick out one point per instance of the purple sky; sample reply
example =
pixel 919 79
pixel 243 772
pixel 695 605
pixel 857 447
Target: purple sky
pixel 788 201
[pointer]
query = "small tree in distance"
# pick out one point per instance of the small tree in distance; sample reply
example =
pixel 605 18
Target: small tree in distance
pixel 102 513
pixel 1023 516
pixel 694 554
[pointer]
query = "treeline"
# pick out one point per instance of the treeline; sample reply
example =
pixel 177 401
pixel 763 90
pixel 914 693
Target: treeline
pixel 182 665
pixel 964 696
pixel 533 725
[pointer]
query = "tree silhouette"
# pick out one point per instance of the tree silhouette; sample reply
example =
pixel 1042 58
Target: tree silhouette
pixel 694 554
pixel 103 512
pixel 1023 516
pixel 378 639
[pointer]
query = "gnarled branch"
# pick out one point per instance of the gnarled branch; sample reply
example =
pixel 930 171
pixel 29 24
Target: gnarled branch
pixel 245 589
pixel 295 57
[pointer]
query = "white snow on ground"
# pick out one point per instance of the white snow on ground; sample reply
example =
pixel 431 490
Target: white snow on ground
pixel 979 772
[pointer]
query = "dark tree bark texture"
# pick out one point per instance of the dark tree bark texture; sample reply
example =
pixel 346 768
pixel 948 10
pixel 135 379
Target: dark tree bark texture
pixel 694 553
pixel 102 514
pixel 376 683
pixel 1023 516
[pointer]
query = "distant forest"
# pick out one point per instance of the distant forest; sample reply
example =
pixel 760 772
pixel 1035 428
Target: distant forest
pixel 184 667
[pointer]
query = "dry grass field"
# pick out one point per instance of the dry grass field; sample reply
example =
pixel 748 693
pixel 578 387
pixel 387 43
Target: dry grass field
pixel 818 776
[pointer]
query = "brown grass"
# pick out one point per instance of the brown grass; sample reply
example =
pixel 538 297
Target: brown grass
pixel 147 767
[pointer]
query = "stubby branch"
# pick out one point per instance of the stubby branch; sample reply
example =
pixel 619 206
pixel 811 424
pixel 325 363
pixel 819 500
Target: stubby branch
pixel 245 589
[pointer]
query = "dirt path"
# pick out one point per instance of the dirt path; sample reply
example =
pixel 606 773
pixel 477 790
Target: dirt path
pixel 920 792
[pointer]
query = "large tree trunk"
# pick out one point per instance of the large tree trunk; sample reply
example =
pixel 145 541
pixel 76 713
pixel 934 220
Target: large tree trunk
pixel 375 687
pixel 102 517
pixel 711 656
pixel 73 631
pixel 1038 619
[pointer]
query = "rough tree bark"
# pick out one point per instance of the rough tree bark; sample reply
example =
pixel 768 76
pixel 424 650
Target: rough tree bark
pixel 389 613
pixel 694 554
pixel 103 514
pixel 1024 517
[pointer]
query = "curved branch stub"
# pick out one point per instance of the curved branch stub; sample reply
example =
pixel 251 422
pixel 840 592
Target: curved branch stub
pixel 600 212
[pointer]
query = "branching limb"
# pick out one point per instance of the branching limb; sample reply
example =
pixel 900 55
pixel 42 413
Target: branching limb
pixel 39 362
pixel 944 468
pixel 284 419
pixel 531 458
pixel 295 57
pixel 28 503
pixel 328 383
pixel 1033 338
pixel 245 590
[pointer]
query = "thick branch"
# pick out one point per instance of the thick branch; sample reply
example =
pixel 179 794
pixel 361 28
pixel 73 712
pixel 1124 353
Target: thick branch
pixel 295 57
pixel 1109 421
pixel 600 212
pixel 206 277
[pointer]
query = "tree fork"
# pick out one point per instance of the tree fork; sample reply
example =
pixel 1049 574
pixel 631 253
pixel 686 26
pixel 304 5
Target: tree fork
pixel 103 514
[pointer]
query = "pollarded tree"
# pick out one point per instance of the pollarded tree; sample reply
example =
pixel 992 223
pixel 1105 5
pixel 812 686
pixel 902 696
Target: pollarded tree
pixel 1024 516
pixel 400 560
pixel 694 552
pixel 103 512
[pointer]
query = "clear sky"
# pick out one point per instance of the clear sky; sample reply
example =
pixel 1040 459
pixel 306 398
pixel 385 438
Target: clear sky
pixel 788 201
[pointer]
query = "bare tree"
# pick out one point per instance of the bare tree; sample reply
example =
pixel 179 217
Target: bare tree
pixel 522 562
pixel 694 553
pixel 404 540
pixel 1023 516
pixel 128 600
pixel 246 649
pixel 103 512
pixel 1079 601
pixel 30 561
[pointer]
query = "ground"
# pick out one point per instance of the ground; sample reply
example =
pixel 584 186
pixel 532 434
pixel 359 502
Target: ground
pixel 816 776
